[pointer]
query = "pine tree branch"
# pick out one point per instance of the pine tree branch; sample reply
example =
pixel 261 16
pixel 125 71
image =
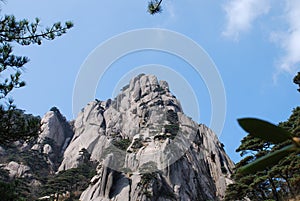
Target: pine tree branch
pixel 25 33
pixel 154 7
pixel 43 35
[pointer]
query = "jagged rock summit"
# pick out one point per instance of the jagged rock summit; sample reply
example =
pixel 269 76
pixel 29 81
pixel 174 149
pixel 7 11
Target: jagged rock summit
pixel 55 135
pixel 147 148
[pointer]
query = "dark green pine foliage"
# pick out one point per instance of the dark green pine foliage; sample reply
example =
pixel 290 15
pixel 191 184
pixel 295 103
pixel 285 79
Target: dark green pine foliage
pixel 17 189
pixel 277 182
pixel 297 80
pixel 14 124
pixel 6 188
pixel 22 32
pixel 154 6
pixel 21 187
pixel 73 180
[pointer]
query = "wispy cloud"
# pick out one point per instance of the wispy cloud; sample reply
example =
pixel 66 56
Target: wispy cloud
pixel 170 9
pixel 290 39
pixel 240 14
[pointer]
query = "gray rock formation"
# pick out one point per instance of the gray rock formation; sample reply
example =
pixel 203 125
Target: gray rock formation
pixel 17 170
pixel 147 148
pixel 56 133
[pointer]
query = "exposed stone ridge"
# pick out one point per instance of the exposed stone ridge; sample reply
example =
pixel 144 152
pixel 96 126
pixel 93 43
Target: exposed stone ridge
pixel 55 135
pixel 147 148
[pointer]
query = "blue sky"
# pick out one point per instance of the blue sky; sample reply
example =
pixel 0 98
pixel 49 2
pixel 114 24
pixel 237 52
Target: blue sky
pixel 255 45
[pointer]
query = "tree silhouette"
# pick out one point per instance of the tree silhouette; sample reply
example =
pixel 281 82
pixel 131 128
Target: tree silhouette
pixel 297 80
pixel 154 6
pixel 14 124
pixel 270 169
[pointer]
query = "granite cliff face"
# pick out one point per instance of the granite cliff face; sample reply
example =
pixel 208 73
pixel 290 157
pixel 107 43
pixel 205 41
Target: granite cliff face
pixel 142 144
pixel 146 148
pixel 26 166
pixel 54 137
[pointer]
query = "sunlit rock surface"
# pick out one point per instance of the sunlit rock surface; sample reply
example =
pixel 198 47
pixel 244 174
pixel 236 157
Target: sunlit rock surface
pixel 146 147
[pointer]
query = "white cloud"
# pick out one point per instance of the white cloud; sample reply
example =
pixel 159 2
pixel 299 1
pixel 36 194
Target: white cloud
pixel 240 15
pixel 290 40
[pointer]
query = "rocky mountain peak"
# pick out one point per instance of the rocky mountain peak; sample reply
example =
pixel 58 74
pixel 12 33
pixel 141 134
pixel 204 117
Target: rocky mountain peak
pixel 54 137
pixel 138 146
pixel 144 92
pixel 147 148
pixel 144 87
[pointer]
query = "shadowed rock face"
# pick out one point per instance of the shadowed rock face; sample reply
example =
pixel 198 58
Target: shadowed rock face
pixel 147 148
pixel 42 156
